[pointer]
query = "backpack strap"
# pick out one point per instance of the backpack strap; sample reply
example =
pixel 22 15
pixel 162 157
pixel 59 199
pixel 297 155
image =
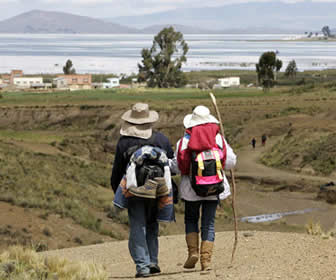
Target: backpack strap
pixel 218 165
pixel 200 164
pixel 143 142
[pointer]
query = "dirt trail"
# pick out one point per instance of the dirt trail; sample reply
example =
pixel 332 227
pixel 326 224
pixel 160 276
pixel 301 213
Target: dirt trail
pixel 248 166
pixel 253 199
pixel 260 256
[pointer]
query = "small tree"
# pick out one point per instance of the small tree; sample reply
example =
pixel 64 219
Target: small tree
pixel 161 65
pixel 68 68
pixel 278 66
pixel 291 69
pixel 326 31
pixel 268 63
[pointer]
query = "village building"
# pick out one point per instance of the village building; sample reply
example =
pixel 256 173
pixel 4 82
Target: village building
pixel 15 74
pixel 229 82
pixel 74 81
pixel 60 83
pixel 111 83
pixel 8 79
pixel 28 82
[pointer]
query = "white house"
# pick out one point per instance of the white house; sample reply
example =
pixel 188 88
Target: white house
pixel 112 83
pixel 229 82
pixel 60 83
pixel 27 82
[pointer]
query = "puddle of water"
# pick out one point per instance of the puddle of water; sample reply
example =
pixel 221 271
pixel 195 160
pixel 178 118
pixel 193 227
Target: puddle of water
pixel 276 216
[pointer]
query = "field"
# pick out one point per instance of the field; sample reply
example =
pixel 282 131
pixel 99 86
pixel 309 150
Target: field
pixel 56 151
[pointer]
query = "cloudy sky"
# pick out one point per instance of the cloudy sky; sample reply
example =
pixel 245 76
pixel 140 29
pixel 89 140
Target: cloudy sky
pixel 114 8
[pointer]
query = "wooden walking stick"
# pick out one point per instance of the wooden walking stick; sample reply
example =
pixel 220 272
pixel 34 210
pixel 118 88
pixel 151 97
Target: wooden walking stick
pixel 232 179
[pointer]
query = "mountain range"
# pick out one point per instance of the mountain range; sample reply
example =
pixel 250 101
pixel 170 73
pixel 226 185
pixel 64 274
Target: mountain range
pixel 268 17
pixel 38 21
pixel 245 17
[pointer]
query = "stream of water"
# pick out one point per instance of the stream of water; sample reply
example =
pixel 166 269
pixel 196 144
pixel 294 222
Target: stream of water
pixel 275 216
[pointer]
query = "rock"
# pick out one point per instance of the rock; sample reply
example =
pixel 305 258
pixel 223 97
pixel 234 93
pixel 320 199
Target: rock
pixel 327 193
pixel 248 234
pixel 8 268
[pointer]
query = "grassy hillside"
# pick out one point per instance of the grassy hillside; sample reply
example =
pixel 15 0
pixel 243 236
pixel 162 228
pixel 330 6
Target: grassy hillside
pixel 56 151
pixel 55 183
pixel 307 151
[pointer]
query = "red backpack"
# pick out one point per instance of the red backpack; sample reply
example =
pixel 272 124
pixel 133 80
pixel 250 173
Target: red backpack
pixel 207 172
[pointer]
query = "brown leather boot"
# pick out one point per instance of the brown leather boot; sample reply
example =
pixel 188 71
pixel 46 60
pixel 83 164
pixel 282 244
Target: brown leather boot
pixel 206 253
pixel 162 189
pixel 192 243
pixel 148 190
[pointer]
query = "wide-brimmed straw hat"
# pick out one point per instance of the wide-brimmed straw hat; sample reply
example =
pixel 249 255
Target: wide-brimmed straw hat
pixel 140 114
pixel 200 115
pixel 138 121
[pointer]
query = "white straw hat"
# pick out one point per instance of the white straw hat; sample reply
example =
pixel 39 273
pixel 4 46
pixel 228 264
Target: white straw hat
pixel 138 121
pixel 140 114
pixel 200 115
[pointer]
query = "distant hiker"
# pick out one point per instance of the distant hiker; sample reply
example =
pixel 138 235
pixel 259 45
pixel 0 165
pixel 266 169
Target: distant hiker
pixel 202 154
pixel 138 144
pixel 263 139
pixel 253 142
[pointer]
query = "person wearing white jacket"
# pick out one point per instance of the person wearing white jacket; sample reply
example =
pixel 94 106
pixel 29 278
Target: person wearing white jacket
pixel 202 132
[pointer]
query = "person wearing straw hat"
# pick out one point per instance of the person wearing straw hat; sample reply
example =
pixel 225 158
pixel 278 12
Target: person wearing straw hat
pixel 136 131
pixel 202 134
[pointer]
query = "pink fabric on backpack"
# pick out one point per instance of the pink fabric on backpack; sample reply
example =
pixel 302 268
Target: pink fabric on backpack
pixel 208 180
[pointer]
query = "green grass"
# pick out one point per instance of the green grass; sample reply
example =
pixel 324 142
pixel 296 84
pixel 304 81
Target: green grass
pixel 304 149
pixel 303 82
pixel 121 95
pixel 31 136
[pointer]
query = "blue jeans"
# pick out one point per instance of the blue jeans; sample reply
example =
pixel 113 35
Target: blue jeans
pixel 143 240
pixel 192 215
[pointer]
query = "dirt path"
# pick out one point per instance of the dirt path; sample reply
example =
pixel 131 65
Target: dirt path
pixel 260 256
pixel 248 166
pixel 253 199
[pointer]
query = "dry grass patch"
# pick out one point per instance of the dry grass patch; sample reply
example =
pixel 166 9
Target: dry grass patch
pixel 315 228
pixel 20 263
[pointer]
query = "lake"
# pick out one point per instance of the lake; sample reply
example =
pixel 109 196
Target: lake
pixel 120 53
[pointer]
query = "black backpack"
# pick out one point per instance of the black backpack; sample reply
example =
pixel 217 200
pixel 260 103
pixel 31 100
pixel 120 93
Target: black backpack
pixel 207 173
pixel 150 168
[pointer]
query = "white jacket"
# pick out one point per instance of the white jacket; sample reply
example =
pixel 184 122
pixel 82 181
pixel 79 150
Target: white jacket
pixel 186 191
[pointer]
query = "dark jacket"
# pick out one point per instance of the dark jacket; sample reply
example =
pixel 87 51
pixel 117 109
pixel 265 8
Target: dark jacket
pixel 125 142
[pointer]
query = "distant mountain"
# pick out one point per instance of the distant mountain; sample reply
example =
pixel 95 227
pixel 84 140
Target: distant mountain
pixel 260 16
pixel 154 29
pixel 37 21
